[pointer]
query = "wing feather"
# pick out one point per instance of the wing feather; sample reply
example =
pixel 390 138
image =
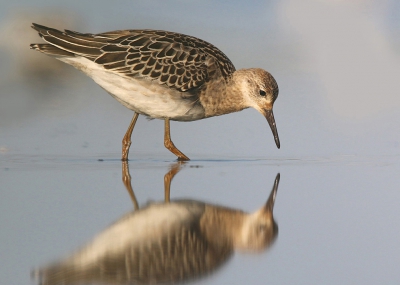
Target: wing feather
pixel 176 60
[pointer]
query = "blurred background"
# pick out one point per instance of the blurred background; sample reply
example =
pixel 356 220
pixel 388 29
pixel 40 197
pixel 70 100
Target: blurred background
pixel 337 64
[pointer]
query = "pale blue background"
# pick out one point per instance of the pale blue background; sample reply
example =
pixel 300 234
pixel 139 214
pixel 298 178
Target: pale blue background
pixel 338 116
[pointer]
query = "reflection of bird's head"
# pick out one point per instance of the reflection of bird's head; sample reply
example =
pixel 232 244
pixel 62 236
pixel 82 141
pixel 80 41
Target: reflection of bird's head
pixel 259 229
pixel 242 231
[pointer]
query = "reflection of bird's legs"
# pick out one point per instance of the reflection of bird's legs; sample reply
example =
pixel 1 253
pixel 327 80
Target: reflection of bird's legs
pixel 174 169
pixel 126 141
pixel 126 179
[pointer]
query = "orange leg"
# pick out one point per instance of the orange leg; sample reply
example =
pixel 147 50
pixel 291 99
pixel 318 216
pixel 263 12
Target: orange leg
pixel 126 179
pixel 170 145
pixel 126 141
pixel 174 169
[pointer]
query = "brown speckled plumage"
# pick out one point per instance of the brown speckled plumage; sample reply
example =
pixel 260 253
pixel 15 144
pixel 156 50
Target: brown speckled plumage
pixel 176 60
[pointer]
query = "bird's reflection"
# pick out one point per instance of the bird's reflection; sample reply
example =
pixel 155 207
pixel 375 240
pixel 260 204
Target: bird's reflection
pixel 166 242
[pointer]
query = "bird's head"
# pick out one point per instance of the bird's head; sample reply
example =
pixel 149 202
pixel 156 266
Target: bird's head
pixel 260 91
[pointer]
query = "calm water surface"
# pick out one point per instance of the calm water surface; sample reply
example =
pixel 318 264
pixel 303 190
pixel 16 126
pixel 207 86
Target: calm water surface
pixel 337 217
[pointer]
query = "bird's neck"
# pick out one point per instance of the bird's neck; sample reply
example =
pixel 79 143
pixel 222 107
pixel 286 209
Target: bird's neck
pixel 223 96
pixel 222 226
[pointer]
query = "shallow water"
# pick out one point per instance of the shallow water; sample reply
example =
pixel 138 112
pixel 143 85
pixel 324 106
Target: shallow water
pixel 337 206
pixel 337 217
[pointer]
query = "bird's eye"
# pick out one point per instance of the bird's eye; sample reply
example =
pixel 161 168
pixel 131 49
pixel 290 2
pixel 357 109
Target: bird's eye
pixel 263 93
pixel 262 228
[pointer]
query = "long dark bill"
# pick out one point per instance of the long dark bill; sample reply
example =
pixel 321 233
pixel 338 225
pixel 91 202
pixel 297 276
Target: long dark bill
pixel 269 115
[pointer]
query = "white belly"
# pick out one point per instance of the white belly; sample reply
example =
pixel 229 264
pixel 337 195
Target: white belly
pixel 140 95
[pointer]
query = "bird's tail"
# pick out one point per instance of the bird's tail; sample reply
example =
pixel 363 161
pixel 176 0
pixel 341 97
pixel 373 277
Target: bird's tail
pixel 50 50
pixel 68 43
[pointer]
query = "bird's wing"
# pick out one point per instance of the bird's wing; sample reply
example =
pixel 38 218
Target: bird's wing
pixel 176 60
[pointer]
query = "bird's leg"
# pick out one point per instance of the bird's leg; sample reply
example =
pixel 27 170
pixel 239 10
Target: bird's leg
pixel 126 141
pixel 174 169
pixel 126 179
pixel 170 145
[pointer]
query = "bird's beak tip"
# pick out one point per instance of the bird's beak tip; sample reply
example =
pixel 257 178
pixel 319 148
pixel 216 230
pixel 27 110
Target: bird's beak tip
pixel 269 115
pixel 278 144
